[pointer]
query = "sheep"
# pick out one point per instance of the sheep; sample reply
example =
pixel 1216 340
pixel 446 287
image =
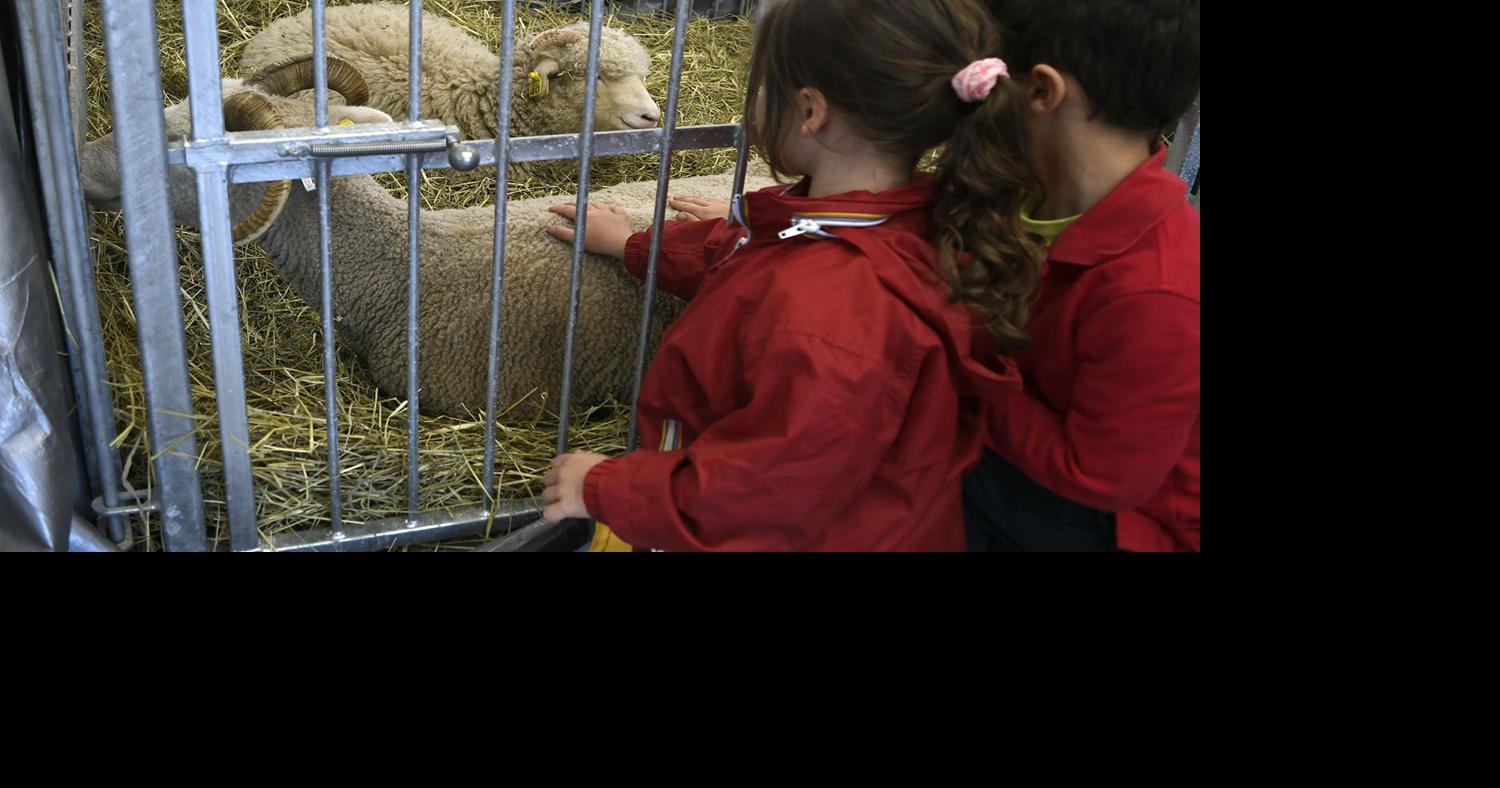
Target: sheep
pixel 369 253
pixel 460 75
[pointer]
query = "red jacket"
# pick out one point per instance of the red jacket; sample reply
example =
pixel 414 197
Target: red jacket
pixel 818 392
pixel 1110 415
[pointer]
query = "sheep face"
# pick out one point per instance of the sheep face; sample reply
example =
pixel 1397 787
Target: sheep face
pixel 560 65
pixel 100 172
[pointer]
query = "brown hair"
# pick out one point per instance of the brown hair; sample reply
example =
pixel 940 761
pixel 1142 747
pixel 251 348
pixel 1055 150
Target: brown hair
pixel 887 66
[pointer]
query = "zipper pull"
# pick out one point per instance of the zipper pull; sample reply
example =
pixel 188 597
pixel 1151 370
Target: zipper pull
pixel 802 227
pixel 738 245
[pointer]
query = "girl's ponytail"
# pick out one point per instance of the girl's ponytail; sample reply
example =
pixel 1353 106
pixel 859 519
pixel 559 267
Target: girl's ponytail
pixel 982 178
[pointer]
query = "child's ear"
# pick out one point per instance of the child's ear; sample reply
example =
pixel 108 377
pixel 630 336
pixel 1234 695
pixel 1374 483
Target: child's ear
pixel 1046 88
pixel 814 108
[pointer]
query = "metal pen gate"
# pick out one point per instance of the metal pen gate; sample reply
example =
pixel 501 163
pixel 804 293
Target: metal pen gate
pixel 218 159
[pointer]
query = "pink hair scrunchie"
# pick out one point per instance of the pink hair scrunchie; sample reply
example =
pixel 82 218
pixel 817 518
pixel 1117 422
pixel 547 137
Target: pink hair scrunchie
pixel 977 79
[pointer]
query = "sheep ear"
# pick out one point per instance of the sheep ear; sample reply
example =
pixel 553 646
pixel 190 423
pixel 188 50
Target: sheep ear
pixel 548 49
pixel 541 77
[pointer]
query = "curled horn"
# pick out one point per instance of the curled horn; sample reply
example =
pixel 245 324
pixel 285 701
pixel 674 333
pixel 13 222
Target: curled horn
pixel 250 111
pixel 296 74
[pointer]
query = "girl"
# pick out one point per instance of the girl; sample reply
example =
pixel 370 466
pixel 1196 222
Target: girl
pixel 819 392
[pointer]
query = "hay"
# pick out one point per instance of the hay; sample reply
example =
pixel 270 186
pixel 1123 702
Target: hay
pixel 282 336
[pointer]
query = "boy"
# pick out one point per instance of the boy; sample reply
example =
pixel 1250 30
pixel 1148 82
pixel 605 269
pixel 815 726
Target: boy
pixel 1101 452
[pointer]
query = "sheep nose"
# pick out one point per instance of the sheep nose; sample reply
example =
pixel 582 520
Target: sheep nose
pixel 641 120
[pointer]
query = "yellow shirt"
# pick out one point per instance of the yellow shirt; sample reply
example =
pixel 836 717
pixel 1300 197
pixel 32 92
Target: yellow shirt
pixel 1048 229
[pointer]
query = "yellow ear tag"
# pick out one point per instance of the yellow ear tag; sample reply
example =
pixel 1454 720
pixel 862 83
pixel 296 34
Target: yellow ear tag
pixel 538 87
pixel 346 122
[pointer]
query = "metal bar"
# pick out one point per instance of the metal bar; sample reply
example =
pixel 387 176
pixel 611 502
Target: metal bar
pixel 539 535
pixel 140 133
pixel 229 374
pixel 413 250
pixel 742 135
pixel 286 145
pixel 77 87
pixel 1189 171
pixel 149 506
pixel 78 90
pixel 658 219
pixel 396 531
pixel 501 152
pixel 414 63
pixel 742 161
pixel 413 274
pixel 201 44
pixel 1184 143
pixel 330 377
pixel 585 162
pixel 281 155
pixel 320 64
pixel 283 146
pixel 69 236
pixel 322 172
pixel 378 149
pixel 201 39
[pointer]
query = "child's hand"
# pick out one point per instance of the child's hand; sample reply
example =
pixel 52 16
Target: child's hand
pixel 563 490
pixel 608 228
pixel 693 209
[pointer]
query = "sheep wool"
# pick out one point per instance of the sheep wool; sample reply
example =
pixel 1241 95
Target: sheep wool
pixel 460 75
pixel 369 255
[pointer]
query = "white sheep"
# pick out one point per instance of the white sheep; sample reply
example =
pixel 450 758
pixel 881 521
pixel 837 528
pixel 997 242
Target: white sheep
pixel 369 255
pixel 461 76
